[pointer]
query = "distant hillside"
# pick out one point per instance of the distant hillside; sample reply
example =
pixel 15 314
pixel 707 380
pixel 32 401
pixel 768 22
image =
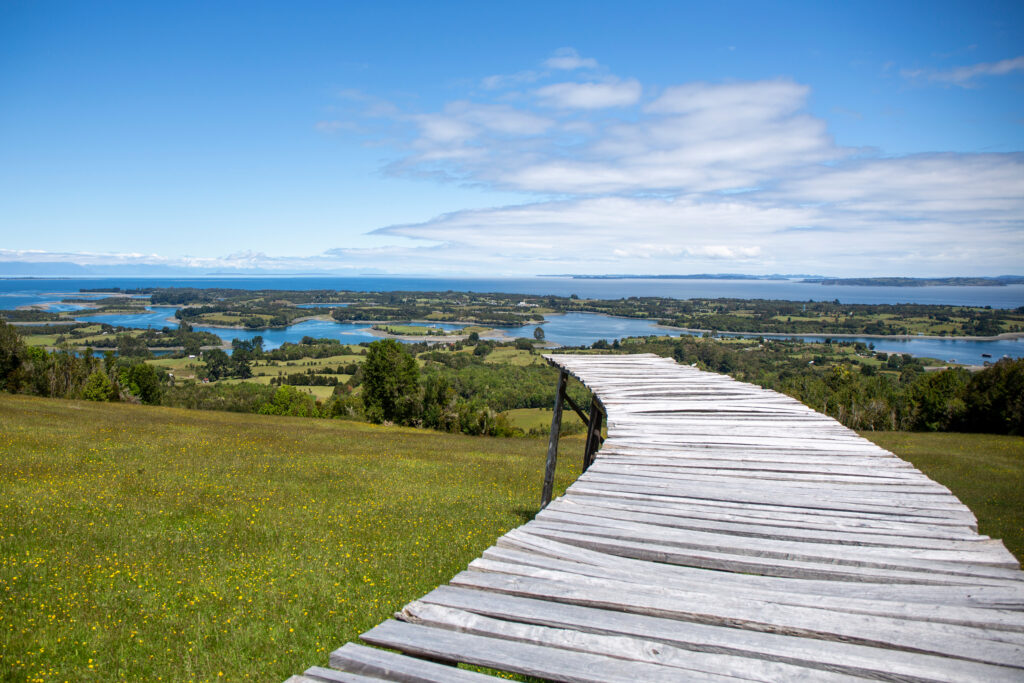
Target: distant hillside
pixel 695 276
pixel 1000 281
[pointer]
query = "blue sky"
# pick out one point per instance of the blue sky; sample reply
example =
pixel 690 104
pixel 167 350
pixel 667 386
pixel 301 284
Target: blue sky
pixel 514 138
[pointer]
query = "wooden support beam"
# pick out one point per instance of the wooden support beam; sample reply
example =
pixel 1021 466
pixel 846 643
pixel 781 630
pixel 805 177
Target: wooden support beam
pixel 556 428
pixel 593 433
pixel 579 411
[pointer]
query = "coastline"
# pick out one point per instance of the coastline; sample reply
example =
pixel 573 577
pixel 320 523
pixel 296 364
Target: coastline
pixel 488 333
pixel 250 329
pixel 846 335
pixel 328 318
pixel 431 339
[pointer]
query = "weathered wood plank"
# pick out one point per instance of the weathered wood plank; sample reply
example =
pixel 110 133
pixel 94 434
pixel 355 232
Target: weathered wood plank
pixel 1008 596
pixel 858 660
pixel 884 495
pixel 793 500
pixel 767 530
pixel 729 466
pixel 505 561
pixel 801 569
pixel 632 648
pixel 960 527
pixel 318 674
pixel 941 639
pixel 391 666
pixel 884 557
pixel 551 663
pixel 843 483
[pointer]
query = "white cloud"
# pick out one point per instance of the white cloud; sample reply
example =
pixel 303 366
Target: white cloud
pixel 499 81
pixel 699 137
pixel 700 176
pixel 567 59
pixel 753 100
pixel 596 228
pixel 591 95
pixel 689 234
pixel 80 257
pixel 563 59
pixel 965 75
pixel 982 186
pixel 461 121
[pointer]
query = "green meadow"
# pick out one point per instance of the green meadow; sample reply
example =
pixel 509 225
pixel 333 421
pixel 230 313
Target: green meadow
pixel 141 543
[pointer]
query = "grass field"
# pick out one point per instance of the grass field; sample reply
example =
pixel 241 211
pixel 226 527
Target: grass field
pixel 262 371
pixel 413 330
pixel 513 356
pixel 985 471
pixel 538 418
pixel 143 544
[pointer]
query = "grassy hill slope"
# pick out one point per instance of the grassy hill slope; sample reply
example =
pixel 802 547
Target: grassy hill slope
pixel 143 543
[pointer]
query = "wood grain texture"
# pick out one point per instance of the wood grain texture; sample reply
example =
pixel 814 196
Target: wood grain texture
pixel 722 532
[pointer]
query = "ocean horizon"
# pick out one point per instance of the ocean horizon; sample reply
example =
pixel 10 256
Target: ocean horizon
pixel 1007 296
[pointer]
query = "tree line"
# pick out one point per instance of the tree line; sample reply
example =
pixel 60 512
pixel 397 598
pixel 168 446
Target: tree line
pixel 463 392
pixel 904 397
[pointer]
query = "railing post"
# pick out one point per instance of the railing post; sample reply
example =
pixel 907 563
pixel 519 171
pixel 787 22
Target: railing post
pixel 556 427
pixel 593 433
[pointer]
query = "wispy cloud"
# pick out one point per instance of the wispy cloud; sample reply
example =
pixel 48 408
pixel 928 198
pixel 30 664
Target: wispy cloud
pixel 611 93
pixel 499 81
pixel 601 137
pixel 563 59
pixel 567 59
pixel 965 76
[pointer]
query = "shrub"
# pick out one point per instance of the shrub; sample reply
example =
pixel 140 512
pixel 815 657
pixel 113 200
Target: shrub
pixel 98 387
pixel 290 401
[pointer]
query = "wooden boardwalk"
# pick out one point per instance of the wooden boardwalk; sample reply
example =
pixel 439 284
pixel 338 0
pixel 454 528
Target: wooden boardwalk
pixel 723 532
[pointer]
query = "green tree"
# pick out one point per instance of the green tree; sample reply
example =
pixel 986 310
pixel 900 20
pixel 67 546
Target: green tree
pixel 538 333
pixel 13 358
pixel 218 365
pixel 391 383
pixel 129 346
pixel 242 354
pixel 995 398
pixel 192 346
pixel 98 387
pixel 143 381
pixel 939 399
